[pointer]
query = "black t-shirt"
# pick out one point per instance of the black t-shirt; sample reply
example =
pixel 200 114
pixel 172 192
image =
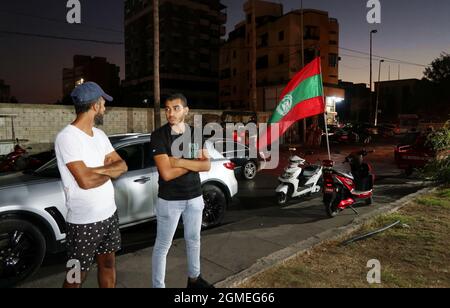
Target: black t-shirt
pixel 186 187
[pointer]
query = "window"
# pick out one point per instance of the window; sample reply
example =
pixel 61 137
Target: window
pixel 281 36
pixel 333 60
pixel 312 33
pixel 148 157
pixel 333 42
pixel 50 170
pixel 234 54
pixel 234 72
pixel 281 59
pixel 264 40
pixel 133 156
pixel 262 62
pixel 225 74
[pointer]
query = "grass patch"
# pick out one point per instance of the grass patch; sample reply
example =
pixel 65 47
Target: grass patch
pixel 414 254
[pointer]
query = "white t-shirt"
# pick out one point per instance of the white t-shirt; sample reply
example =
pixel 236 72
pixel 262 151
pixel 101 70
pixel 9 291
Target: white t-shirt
pixel 84 206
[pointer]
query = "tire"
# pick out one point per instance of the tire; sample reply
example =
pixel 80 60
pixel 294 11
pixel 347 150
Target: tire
pixel 369 201
pixel 249 170
pixel 215 206
pixel 21 163
pixel 331 203
pixel 20 260
pixel 282 199
pixel 409 171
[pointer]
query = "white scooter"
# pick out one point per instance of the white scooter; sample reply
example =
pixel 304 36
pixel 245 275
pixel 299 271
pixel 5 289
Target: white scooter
pixel 299 179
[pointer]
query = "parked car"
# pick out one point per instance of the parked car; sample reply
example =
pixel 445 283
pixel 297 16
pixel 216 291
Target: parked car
pixel 413 153
pixel 33 211
pixel 246 166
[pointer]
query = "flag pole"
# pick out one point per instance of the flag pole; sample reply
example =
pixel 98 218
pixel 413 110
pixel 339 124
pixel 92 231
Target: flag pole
pixel 325 113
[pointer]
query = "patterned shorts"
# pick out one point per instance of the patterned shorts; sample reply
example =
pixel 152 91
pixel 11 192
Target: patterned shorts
pixel 86 242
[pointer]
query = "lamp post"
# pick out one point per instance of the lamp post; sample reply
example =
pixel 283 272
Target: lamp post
pixel 378 93
pixel 371 33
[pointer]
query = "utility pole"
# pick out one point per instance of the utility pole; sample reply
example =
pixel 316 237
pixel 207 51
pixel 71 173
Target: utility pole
pixel 378 93
pixel 371 46
pixel 302 33
pixel 156 77
pixel 254 97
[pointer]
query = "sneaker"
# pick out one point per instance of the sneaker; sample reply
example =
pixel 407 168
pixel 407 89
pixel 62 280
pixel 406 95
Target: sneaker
pixel 200 283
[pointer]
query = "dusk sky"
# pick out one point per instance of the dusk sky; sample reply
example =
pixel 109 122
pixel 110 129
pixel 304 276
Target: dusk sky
pixel 414 31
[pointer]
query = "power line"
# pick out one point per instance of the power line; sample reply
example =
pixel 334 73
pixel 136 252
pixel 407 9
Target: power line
pixel 60 37
pixel 382 57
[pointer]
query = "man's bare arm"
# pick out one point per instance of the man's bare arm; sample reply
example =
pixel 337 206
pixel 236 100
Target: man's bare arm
pixel 114 166
pixel 86 177
pixel 203 164
pixel 165 169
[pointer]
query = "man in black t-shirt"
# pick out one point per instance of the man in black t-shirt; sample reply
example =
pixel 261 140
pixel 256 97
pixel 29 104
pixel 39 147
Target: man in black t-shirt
pixel 180 193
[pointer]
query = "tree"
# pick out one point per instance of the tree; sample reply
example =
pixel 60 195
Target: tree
pixel 439 72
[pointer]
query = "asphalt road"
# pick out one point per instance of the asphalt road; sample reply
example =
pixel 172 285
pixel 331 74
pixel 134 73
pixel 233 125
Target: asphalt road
pixel 254 227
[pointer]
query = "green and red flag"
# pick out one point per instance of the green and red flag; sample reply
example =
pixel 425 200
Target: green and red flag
pixel 302 98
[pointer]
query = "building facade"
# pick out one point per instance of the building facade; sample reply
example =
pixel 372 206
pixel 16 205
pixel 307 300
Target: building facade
pixel 278 55
pixel 190 38
pixel 96 69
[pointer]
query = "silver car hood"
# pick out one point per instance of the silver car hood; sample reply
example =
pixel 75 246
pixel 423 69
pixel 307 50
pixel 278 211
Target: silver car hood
pixel 21 179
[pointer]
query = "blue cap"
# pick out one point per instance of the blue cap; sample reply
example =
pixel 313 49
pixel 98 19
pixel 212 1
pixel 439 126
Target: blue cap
pixel 87 92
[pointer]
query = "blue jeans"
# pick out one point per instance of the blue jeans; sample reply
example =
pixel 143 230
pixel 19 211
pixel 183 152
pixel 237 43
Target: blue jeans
pixel 168 215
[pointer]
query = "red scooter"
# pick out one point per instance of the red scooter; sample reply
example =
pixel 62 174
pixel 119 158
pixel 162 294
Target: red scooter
pixel 19 160
pixel 342 190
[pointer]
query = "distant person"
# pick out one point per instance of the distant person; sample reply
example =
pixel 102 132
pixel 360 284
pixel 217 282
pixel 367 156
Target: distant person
pixel 87 163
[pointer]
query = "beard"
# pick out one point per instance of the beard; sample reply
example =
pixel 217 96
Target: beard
pixel 99 119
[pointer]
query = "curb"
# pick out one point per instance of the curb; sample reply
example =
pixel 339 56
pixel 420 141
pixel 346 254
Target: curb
pixel 295 250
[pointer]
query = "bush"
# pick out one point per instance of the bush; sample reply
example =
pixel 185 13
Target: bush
pixel 439 169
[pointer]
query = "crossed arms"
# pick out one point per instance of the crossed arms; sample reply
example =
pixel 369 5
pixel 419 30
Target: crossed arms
pixel 89 178
pixel 171 168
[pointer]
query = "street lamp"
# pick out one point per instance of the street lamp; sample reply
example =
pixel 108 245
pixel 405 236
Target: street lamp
pixel 371 33
pixel 378 93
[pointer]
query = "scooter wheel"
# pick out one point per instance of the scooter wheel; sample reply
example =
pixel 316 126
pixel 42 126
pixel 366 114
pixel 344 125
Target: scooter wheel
pixel 369 201
pixel 282 198
pixel 331 207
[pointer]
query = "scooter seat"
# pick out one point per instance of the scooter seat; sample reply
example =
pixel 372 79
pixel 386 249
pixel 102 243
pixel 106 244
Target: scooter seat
pixel 310 171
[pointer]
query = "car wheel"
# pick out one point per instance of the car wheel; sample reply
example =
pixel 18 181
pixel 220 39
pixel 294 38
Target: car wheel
pixel 215 206
pixel 22 251
pixel 249 170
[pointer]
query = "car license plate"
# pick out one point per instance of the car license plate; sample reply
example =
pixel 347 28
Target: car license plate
pixel 329 190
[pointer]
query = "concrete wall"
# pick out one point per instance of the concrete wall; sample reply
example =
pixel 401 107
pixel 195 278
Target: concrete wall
pixel 38 125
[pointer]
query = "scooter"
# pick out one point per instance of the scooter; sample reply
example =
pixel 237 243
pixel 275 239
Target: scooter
pixel 16 160
pixel 342 190
pixel 299 179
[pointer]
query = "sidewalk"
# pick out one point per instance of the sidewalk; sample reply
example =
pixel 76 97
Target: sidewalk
pixel 239 244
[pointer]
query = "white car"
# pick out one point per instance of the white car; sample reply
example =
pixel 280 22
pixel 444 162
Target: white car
pixel 33 211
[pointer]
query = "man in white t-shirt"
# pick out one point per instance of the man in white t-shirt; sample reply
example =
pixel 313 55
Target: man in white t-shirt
pixel 87 163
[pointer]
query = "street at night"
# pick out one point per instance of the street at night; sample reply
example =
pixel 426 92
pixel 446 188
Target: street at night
pixel 256 146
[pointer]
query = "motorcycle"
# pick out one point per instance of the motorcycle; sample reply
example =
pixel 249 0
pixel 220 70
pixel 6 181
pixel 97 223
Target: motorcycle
pixel 19 160
pixel 342 190
pixel 299 179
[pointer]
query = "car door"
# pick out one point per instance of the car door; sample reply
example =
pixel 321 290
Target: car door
pixel 134 191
